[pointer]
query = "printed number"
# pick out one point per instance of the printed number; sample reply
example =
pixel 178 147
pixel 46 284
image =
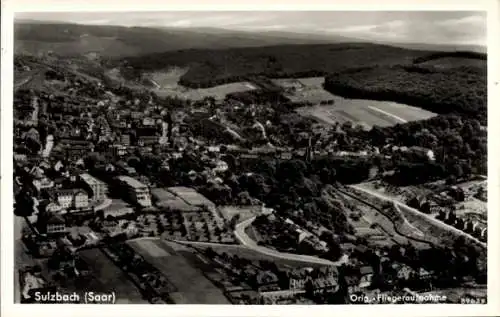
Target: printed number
pixel 469 300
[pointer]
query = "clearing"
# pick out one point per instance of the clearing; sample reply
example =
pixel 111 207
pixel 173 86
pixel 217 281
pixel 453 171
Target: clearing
pixel 166 83
pixel 360 111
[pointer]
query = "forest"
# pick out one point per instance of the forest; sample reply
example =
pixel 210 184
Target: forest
pixel 208 68
pixel 458 90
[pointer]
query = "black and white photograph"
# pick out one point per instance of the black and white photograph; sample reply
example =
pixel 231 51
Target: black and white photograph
pixel 276 157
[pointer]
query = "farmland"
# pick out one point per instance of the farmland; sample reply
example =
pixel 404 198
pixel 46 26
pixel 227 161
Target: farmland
pixel 192 286
pixel 304 89
pixel 106 277
pixel 166 83
pixel 366 113
pixel 218 92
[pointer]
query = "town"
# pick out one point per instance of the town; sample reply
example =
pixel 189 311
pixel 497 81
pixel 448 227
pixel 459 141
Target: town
pixel 257 197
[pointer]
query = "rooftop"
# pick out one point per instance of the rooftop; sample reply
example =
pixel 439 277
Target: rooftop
pixel 132 182
pixel 89 179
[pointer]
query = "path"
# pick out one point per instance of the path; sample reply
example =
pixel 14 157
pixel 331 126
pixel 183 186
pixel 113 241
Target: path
pixel 388 114
pixel 244 239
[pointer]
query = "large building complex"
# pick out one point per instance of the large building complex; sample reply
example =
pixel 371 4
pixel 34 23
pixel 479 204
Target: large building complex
pixel 99 189
pixel 137 192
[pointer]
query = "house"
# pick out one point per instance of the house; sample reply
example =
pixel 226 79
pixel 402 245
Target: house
pixel 325 284
pixel 148 121
pixel 353 282
pixel 366 273
pixel 298 279
pixel 148 140
pixel 55 225
pixel 221 166
pixel 72 198
pixel 423 274
pixel 125 139
pixel 404 272
pixel 53 208
pixel 266 281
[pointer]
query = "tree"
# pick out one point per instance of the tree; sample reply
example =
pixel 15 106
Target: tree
pixel 24 204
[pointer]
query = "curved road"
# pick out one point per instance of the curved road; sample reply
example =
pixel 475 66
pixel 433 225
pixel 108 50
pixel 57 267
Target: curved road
pixel 431 219
pixel 244 239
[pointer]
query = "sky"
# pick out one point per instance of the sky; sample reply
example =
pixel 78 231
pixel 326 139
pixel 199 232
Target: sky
pixel 431 27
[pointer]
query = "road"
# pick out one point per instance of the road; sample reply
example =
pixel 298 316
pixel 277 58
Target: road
pixel 244 239
pixel 431 219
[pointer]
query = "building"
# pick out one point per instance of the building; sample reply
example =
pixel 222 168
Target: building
pixel 125 139
pixel 72 198
pixel 136 191
pixel 55 225
pixel 266 281
pixel 366 276
pixel 97 188
pixel 148 140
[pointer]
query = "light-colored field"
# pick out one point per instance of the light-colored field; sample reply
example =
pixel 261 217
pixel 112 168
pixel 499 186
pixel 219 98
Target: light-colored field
pixel 308 89
pixel 166 83
pixel 168 78
pixel 365 112
pixel 218 92
pixel 362 112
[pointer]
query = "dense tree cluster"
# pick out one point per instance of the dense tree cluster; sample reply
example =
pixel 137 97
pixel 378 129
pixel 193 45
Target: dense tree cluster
pixel 209 68
pixel 459 144
pixel 457 54
pixel 452 90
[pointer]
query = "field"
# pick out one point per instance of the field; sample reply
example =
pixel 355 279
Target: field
pixel 308 89
pixel 166 83
pixel 366 113
pixel 218 92
pixel 192 286
pixel 106 277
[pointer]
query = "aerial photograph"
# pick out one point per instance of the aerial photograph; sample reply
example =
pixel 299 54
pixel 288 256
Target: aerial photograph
pixel 250 157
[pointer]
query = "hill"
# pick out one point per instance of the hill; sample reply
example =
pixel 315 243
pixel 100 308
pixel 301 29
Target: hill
pixel 68 39
pixel 208 68
pixel 459 89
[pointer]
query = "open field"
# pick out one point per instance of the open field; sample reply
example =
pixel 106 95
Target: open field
pixel 363 112
pixel 166 79
pixel 166 83
pixel 308 89
pixel 218 92
pixel 106 277
pixel 192 286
